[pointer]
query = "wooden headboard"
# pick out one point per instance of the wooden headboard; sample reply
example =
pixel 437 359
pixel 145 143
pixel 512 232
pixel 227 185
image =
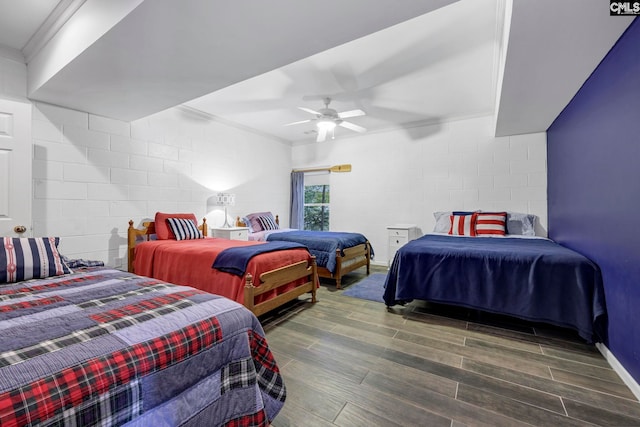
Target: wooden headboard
pixel 240 223
pixel 148 229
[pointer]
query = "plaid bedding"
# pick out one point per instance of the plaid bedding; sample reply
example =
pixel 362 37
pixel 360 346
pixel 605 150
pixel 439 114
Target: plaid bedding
pixel 102 347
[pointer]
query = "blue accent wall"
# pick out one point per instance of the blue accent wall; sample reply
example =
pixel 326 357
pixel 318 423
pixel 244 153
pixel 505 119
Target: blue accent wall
pixel 593 150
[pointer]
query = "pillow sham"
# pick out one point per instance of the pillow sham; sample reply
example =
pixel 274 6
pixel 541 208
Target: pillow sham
pixel 443 222
pixel 256 220
pixel 268 223
pixel 184 229
pixel 462 224
pixel 521 223
pixel 163 232
pixel 24 258
pixel 490 223
pixel 246 223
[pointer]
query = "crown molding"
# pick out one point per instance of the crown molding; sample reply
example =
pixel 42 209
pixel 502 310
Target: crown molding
pixel 56 20
pixel 11 54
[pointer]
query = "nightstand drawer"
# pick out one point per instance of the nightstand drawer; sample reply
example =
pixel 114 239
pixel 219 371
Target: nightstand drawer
pixel 398 233
pixel 239 235
pixel 398 240
pixel 235 233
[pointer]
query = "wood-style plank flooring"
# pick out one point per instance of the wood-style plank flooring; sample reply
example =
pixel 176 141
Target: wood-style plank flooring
pixel 352 362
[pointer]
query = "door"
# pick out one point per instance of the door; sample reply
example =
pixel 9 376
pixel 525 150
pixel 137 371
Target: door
pixel 15 168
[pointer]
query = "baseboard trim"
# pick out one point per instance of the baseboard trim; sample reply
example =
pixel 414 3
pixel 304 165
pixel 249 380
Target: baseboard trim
pixel 379 264
pixel 620 370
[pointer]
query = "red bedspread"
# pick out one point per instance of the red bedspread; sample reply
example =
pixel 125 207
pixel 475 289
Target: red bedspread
pixel 188 262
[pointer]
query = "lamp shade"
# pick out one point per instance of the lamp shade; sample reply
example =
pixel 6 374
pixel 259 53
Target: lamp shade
pixel 225 199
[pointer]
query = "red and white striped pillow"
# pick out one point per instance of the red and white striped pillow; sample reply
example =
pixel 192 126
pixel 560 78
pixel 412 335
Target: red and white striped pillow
pixel 462 225
pixel 490 223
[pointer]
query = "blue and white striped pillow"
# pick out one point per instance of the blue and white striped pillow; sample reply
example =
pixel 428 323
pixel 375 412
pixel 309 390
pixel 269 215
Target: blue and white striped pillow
pixel 268 222
pixel 30 258
pixel 184 229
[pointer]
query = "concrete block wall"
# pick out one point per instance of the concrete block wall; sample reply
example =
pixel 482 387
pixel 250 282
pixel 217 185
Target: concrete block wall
pixel 93 174
pixel 403 176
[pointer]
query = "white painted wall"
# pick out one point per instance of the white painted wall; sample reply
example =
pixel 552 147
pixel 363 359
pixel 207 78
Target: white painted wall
pixel 403 176
pixel 92 174
pixel 13 78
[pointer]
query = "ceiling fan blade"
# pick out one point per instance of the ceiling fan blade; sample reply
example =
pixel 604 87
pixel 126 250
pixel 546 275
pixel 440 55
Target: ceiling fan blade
pixel 322 135
pixel 297 123
pixel 353 127
pixel 309 110
pixel 351 113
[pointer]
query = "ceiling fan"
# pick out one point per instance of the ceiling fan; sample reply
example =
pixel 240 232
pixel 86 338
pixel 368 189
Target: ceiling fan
pixel 327 119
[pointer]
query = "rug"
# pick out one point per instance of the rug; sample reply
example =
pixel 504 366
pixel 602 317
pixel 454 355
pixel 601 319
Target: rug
pixel 371 288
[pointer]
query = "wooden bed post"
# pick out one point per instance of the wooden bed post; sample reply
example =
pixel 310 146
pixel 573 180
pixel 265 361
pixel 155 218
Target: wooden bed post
pixel 368 257
pixel 131 242
pixel 338 272
pixel 249 297
pixel 204 227
pixel 316 279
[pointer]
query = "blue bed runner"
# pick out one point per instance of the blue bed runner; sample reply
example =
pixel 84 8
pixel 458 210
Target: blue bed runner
pixel 235 260
pixel 322 244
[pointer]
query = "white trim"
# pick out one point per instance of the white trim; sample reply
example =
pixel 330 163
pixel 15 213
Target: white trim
pixel 12 54
pixel 620 370
pixel 58 17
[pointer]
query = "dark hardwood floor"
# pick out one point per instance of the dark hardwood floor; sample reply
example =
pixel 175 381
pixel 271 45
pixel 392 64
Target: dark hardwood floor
pixel 352 362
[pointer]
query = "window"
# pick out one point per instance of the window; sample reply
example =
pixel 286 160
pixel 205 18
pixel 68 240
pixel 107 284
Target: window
pixel 316 207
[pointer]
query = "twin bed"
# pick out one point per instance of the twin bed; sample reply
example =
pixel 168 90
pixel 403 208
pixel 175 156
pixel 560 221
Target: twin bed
pixel 265 281
pixel 336 253
pixel 99 346
pixel 523 276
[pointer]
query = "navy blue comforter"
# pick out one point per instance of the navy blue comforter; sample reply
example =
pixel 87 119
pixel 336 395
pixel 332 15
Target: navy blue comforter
pixel 532 279
pixel 321 244
pixel 234 260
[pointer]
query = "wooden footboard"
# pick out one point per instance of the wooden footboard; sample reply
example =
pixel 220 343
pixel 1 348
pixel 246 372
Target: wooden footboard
pixel 281 277
pixel 353 258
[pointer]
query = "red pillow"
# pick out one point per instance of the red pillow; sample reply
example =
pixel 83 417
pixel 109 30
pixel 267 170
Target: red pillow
pixel 462 225
pixel 163 232
pixel 490 223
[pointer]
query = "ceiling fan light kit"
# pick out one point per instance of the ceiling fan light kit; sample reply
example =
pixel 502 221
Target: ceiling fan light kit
pixel 327 119
pixel 326 124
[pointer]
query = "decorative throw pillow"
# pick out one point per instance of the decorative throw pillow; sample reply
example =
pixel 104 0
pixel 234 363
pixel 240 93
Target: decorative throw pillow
pixel 462 225
pixel 521 224
pixel 490 223
pixel 268 222
pixel 443 222
pixel 184 229
pixel 163 232
pixel 254 221
pixel 30 258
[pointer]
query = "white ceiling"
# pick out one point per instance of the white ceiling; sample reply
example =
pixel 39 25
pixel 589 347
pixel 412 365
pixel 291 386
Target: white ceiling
pixel 404 62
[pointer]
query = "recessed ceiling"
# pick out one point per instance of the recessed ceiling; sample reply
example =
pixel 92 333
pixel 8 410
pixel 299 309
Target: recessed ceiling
pixel 436 67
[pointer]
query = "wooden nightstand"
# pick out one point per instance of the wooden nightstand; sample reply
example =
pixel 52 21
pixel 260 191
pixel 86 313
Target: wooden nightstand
pixel 399 235
pixel 231 233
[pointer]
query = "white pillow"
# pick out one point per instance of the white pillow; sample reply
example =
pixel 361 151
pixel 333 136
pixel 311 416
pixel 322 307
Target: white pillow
pixel 443 222
pixel 521 224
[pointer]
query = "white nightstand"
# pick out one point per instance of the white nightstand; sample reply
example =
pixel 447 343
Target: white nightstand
pixel 399 235
pixel 231 233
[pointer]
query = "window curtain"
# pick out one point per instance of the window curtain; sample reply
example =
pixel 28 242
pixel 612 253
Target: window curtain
pixel 297 200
